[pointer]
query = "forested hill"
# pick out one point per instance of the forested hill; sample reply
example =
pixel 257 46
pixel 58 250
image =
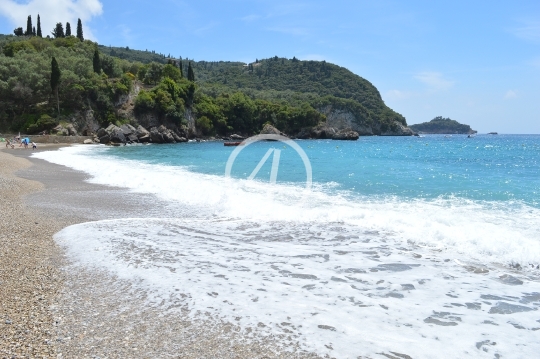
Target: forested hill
pixel 96 85
pixel 440 125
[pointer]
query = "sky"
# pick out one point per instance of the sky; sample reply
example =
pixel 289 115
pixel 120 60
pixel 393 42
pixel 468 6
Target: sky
pixel 477 62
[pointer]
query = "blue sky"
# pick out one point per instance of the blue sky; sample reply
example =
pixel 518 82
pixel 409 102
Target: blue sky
pixel 477 62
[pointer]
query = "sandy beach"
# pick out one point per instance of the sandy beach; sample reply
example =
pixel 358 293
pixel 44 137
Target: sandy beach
pixel 51 308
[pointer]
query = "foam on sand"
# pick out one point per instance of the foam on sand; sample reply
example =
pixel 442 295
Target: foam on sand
pixel 334 288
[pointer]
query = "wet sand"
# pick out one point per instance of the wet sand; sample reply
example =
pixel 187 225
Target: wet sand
pixel 51 308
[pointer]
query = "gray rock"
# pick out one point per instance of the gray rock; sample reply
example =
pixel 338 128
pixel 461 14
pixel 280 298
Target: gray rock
pixel 88 142
pixel 71 130
pixel 323 132
pixel 168 137
pixel 398 130
pixel 156 136
pixel 132 138
pixel 101 132
pixel 162 129
pixel 348 135
pixel 236 137
pixel 269 130
pixel 105 139
pixel 142 132
pixel 111 127
pixel 127 129
pixel 117 135
pixel 145 139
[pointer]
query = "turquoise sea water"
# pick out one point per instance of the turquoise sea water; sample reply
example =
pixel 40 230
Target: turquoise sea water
pixel 486 167
pixel 428 247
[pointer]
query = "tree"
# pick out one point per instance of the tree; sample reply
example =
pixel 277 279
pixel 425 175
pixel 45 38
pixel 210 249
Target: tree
pixel 34 31
pixel 18 31
pixel 38 32
pixel 55 80
pixel 190 73
pixel 180 65
pixel 58 31
pixel 79 30
pixel 29 26
pixel 68 29
pixel 97 62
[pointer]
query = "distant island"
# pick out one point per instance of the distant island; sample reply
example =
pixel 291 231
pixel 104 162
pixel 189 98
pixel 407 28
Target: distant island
pixel 441 125
pixel 66 84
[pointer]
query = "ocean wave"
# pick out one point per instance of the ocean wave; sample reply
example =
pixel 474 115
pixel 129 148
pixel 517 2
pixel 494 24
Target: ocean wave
pixel 489 231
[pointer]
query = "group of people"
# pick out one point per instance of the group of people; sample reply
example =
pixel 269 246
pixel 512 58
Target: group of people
pixel 24 142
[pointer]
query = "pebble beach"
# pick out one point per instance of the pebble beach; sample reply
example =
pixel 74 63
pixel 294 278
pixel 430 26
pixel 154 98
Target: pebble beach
pixel 29 276
pixel 52 309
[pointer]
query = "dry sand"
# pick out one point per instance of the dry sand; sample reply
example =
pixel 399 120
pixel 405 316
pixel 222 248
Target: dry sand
pixel 51 308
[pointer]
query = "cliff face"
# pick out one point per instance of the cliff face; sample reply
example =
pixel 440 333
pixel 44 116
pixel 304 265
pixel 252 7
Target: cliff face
pixel 340 119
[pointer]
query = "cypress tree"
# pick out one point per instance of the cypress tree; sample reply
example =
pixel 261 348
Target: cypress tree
pixel 79 30
pixel 55 80
pixel 181 70
pixel 34 31
pixel 38 32
pixel 29 26
pixel 97 62
pixel 68 29
pixel 58 31
pixel 190 73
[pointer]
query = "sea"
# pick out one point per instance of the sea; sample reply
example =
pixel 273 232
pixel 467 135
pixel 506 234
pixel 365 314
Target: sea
pixel 421 247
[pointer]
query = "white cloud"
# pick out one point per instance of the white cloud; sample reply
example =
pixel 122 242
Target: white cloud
pixel 397 95
pixel 510 94
pixel 250 18
pixel 434 80
pixel 529 30
pixel 51 12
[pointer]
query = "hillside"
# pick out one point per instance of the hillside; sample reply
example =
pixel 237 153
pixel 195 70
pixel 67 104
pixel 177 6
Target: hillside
pixel 440 125
pixel 205 98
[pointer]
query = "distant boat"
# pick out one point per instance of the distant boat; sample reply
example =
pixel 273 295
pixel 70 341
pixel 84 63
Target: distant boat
pixel 492 133
pixel 471 136
pixel 231 143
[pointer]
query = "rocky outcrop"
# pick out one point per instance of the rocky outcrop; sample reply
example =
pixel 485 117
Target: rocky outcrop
pixel 143 136
pixel 326 132
pixel 115 135
pixel 339 119
pixel 347 135
pixel 268 129
pixel 398 130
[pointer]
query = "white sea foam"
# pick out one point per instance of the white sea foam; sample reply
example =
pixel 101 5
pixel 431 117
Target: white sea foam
pixel 335 290
pixel 342 275
pixel 485 231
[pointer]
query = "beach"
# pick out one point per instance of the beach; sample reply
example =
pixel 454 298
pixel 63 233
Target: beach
pixel 153 261
pixel 29 275
pixel 53 309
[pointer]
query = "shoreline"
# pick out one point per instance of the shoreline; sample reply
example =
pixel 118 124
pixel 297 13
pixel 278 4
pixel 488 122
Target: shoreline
pixel 76 306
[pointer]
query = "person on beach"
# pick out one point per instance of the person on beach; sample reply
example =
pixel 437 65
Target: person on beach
pixel 34 146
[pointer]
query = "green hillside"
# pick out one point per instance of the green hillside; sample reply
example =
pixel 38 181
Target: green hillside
pixel 221 97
